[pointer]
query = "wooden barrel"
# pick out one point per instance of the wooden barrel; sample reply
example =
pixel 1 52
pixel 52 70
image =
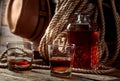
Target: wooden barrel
pixel 28 18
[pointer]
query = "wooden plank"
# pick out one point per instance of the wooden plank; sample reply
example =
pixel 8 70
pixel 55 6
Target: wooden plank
pixel 44 75
pixel 1 7
pixel 4 4
pixel 34 75
pixel 5 36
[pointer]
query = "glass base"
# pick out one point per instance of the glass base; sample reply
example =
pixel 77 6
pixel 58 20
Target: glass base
pixel 61 74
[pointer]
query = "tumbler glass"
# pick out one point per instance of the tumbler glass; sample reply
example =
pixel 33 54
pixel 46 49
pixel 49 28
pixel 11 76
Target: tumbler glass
pixel 61 59
pixel 19 55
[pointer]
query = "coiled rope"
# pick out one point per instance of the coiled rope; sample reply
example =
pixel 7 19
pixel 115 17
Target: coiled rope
pixel 65 9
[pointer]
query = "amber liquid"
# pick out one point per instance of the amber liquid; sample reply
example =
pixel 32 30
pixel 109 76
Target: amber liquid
pixel 86 52
pixel 19 65
pixel 60 66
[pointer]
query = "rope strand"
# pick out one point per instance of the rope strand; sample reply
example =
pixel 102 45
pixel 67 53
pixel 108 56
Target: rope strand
pixel 117 22
pixel 102 30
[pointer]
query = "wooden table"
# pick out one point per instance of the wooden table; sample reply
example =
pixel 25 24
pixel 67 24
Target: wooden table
pixel 44 75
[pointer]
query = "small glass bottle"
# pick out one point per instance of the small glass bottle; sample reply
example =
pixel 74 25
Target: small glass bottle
pixel 85 37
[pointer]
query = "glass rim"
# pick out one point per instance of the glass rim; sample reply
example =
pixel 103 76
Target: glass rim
pixel 19 42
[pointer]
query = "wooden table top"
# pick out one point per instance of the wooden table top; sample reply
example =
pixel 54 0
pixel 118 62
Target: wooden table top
pixel 44 75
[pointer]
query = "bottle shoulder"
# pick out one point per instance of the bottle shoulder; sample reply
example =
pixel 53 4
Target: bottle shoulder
pixel 78 26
